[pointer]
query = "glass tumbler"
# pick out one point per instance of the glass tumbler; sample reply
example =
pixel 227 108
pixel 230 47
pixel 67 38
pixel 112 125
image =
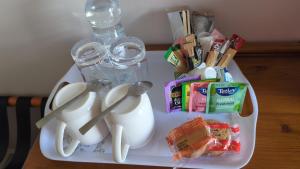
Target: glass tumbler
pixel 92 59
pixel 129 60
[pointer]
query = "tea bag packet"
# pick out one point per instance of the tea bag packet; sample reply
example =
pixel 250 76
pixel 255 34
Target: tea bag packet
pixel 173 93
pixel 175 57
pixel 185 96
pixel 198 94
pixel 226 138
pixel 189 140
pixel 172 56
pixel 225 97
pixel 197 97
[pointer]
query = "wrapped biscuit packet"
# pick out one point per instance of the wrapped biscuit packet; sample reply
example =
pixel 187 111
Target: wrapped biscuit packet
pixel 189 140
pixel 226 138
pixel 199 137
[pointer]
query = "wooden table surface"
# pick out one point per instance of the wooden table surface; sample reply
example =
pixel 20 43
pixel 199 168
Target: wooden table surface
pixel 276 81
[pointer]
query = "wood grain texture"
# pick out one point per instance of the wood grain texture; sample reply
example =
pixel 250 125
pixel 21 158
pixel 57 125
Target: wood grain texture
pixel 276 81
pixel 253 47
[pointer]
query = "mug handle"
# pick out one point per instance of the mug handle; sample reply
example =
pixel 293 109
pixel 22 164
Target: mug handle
pixel 119 149
pixel 59 141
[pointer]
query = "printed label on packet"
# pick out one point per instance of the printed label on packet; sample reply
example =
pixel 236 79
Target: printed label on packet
pixel 225 97
pixel 174 56
pixel 176 97
pixel 171 56
pixel 189 140
pixel 198 94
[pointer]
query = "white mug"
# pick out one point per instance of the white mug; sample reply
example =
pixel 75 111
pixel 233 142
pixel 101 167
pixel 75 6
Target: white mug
pixel 75 116
pixel 131 123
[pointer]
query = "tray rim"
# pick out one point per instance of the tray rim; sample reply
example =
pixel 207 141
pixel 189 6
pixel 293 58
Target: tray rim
pixel 74 68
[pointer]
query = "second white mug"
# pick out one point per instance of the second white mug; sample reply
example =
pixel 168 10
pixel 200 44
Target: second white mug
pixel 131 123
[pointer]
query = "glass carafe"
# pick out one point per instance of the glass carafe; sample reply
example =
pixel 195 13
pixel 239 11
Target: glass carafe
pixel 104 17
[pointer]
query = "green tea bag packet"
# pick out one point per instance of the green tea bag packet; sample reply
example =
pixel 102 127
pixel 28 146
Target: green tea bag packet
pixel 175 57
pixel 225 97
pixel 185 96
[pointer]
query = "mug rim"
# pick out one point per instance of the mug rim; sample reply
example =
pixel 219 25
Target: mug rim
pixel 59 94
pixel 113 91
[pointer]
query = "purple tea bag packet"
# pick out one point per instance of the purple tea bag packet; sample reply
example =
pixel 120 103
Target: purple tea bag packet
pixel 173 93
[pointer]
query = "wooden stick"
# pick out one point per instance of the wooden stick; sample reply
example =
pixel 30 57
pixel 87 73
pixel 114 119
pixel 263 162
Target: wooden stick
pixel 212 58
pixel 227 57
pixel 184 22
pixel 188 22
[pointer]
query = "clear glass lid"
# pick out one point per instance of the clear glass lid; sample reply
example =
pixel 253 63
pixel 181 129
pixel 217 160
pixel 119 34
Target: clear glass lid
pixel 127 51
pixel 88 52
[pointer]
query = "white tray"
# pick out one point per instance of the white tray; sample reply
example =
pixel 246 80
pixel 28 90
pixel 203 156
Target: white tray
pixel 156 152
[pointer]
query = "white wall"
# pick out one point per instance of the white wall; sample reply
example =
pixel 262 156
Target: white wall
pixel 36 35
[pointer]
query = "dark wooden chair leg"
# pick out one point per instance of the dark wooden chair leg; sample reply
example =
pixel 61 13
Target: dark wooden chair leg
pixel 23 133
pixel 4 128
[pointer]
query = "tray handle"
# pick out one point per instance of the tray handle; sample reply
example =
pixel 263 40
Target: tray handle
pixel 252 94
pixel 253 100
